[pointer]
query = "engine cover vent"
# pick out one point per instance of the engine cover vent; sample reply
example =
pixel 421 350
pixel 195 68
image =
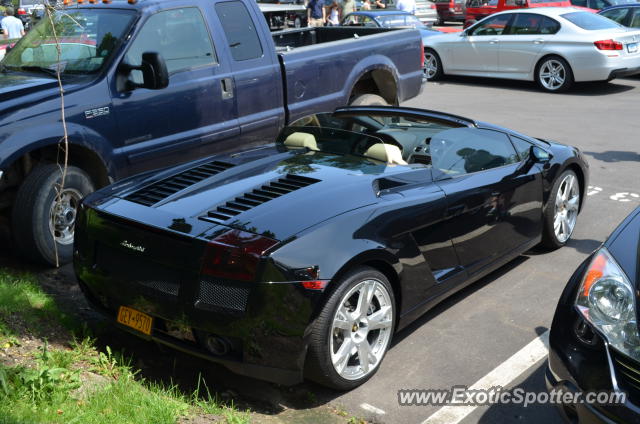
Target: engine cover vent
pixel 258 196
pixel 160 190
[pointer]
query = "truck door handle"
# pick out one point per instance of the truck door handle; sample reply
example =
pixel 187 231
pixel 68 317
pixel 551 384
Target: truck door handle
pixel 226 84
pixel 494 41
pixel 538 41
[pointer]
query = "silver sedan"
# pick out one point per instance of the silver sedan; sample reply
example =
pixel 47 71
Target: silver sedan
pixel 553 46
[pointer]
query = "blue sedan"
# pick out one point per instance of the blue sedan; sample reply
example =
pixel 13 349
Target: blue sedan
pixel 388 19
pixel 625 14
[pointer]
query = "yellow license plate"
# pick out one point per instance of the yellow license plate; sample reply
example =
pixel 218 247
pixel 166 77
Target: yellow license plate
pixel 135 319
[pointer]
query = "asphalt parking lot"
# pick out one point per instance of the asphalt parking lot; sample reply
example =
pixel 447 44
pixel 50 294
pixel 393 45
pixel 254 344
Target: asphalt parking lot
pixel 474 332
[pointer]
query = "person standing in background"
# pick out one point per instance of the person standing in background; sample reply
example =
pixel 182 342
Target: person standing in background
pixel 11 26
pixel 333 14
pixel 407 6
pixel 315 13
pixel 365 5
pixel 346 7
pixel 380 4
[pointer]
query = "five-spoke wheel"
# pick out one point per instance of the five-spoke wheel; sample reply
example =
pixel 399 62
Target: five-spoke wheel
pixel 554 74
pixel 353 331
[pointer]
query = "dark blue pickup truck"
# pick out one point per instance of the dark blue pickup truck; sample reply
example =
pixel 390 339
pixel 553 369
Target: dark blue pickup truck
pixel 152 83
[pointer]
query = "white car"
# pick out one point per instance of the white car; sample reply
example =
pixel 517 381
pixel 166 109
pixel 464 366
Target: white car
pixel 553 46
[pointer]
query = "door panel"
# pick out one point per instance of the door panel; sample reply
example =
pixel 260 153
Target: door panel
pixel 257 80
pixel 520 47
pixel 493 206
pixel 478 51
pixel 185 120
pixel 491 213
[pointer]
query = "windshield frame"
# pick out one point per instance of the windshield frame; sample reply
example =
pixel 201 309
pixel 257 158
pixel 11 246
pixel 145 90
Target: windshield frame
pixel 113 55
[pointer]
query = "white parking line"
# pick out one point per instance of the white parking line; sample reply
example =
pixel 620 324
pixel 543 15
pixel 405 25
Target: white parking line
pixel 372 409
pixel 502 375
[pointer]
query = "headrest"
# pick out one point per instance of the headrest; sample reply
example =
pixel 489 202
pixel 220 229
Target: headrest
pixel 387 153
pixel 300 140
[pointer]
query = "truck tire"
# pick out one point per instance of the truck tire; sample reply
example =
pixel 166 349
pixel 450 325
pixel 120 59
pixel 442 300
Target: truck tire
pixel 369 100
pixel 39 221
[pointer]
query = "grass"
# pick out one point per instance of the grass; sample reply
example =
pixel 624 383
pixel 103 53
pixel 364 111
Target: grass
pixel 53 388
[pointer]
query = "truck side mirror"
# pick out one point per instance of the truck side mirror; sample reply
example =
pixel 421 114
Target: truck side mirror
pixel 154 72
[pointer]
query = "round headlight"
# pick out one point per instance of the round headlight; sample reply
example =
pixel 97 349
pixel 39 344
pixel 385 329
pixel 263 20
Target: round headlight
pixel 611 301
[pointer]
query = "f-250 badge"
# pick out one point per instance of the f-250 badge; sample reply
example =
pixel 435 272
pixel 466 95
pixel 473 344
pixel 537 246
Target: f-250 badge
pixel 94 113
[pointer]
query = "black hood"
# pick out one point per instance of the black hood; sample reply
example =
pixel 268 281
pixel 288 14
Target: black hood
pixel 278 195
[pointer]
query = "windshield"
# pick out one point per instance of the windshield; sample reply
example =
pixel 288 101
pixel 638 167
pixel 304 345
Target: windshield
pixel 362 134
pixel 590 21
pixel 393 21
pixel 88 38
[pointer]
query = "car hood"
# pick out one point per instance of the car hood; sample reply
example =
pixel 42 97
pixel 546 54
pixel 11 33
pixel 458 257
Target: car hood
pixel 624 245
pixel 309 187
pixel 14 85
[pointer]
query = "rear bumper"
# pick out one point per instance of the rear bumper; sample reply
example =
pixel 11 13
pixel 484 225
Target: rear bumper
pixel 597 66
pixel 267 344
pixel 445 14
pixel 624 72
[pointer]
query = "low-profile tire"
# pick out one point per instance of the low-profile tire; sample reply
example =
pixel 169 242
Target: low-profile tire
pixel 38 223
pixel 432 65
pixel 553 74
pixel 561 211
pixel 345 329
pixel 369 100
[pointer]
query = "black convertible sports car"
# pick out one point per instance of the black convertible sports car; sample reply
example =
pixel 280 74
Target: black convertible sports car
pixel 594 344
pixel 304 257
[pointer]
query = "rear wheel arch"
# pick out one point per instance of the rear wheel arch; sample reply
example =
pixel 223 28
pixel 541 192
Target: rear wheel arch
pixel 379 262
pixel 376 81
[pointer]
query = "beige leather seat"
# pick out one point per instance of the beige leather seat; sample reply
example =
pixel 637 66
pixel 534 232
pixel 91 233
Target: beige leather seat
pixel 387 153
pixel 300 140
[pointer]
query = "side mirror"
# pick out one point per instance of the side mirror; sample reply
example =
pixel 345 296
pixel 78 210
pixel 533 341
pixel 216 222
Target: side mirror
pixel 538 155
pixel 154 72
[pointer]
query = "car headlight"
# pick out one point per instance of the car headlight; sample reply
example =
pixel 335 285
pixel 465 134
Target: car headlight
pixel 607 300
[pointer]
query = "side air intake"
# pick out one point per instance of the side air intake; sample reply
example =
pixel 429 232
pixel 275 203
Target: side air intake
pixel 160 190
pixel 258 196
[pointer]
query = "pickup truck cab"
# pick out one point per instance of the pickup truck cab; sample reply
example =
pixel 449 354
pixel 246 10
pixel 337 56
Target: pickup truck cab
pixel 153 83
pixel 480 9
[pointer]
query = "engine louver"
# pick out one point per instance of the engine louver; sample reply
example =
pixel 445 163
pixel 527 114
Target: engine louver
pixel 258 196
pixel 160 190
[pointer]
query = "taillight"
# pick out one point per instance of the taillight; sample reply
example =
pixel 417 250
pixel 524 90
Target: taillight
pixel 421 54
pixel 21 11
pixel 608 45
pixel 432 6
pixel 235 255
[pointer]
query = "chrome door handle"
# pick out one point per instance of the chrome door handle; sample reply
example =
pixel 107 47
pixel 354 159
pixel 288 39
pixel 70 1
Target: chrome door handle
pixel 494 41
pixel 538 41
pixel 226 85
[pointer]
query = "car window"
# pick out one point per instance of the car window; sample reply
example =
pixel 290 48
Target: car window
pixel 549 25
pixel 589 21
pixel 598 4
pixel 240 30
pixel 580 3
pixel 635 20
pixel 164 33
pixel 466 150
pixel 494 25
pixel 525 24
pixel 522 147
pixel 617 15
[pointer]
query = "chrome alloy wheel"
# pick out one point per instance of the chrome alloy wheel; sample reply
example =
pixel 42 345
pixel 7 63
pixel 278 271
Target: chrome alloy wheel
pixel 430 65
pixel 63 215
pixel 361 330
pixel 552 74
pixel 566 208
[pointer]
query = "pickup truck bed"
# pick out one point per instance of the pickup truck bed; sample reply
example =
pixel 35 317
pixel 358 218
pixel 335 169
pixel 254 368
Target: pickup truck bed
pixel 313 60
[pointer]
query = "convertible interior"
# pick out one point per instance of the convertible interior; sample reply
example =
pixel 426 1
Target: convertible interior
pixel 388 139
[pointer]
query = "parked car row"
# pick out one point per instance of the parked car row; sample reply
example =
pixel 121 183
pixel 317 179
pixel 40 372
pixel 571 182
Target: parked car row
pixel 553 46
